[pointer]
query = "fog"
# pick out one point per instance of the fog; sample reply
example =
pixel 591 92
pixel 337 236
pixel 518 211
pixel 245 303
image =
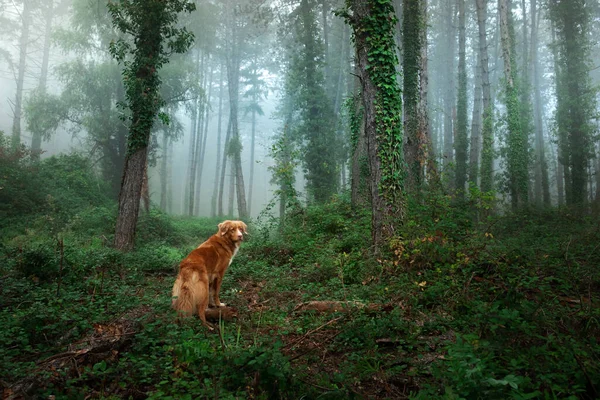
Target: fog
pixel 60 85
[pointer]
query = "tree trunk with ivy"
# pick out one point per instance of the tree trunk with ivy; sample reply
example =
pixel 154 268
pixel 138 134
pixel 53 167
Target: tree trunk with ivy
pixel 449 92
pixel 516 141
pixel 373 23
pixel 461 143
pixel 152 25
pixel 487 134
pixel 576 98
pixel 412 25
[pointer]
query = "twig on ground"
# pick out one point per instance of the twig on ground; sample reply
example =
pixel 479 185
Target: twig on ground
pixel 297 341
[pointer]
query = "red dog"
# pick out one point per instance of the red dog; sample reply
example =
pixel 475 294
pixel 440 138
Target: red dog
pixel 201 272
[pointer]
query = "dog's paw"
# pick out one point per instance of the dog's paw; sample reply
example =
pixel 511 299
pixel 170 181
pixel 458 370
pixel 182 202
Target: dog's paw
pixel 222 304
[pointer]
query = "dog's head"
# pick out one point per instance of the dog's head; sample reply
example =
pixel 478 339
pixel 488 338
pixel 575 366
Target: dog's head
pixel 233 230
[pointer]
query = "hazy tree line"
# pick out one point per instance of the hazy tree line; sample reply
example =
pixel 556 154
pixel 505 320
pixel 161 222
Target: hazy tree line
pixel 390 99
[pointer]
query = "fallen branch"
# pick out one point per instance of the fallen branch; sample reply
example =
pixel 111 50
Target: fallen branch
pixel 301 339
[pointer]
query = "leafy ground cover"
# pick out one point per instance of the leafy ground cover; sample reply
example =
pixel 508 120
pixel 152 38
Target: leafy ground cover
pixel 504 308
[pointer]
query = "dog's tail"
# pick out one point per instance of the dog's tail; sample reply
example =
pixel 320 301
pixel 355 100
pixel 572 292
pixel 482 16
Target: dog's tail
pixel 189 293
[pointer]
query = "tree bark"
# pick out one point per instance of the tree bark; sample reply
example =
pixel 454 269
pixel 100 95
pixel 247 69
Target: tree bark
pixel 129 199
pixel 204 136
pixel 390 141
pixel 233 56
pixel 475 128
pixel 449 99
pixel 461 141
pixel 164 162
pixel 223 169
pixel 36 136
pixel 252 147
pixel 23 41
pixel 411 39
pixel 213 203
pixel 542 187
pixel 487 135
pixel 190 192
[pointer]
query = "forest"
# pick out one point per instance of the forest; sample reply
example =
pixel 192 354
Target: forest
pixel 420 180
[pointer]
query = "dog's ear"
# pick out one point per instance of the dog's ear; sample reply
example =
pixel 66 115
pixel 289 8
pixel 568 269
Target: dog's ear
pixel 223 227
pixel 244 227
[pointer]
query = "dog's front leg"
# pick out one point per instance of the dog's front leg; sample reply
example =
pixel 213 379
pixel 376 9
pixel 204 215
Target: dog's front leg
pixel 216 289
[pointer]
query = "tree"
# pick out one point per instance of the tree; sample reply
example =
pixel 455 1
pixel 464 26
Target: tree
pixel 487 134
pixel 151 25
pixel 373 23
pixel 516 141
pixel 23 42
pixel 542 187
pixel 575 97
pixel 461 144
pixel 412 44
pixel 449 96
pixel 256 91
pixel 48 10
pixel 316 129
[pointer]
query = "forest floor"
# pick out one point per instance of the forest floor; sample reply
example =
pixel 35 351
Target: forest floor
pixel 505 309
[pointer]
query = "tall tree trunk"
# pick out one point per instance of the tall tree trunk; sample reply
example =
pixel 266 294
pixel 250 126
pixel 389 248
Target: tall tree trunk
pixel 411 39
pixel 525 89
pixel 597 173
pixel 487 135
pixel 576 99
pixel 169 203
pixel 382 124
pixel 191 179
pixel 204 136
pixel 36 138
pixel 164 162
pixel 563 176
pixel 235 135
pixel 542 187
pixel 327 59
pixel 143 96
pixel 129 198
pixel 213 202
pixel 462 144
pixel 475 128
pixel 252 148
pixel 449 99
pixel 223 170
pixel 231 187
pixel 426 155
pixel 358 174
pixel 23 41
pixel 517 145
pixel 233 56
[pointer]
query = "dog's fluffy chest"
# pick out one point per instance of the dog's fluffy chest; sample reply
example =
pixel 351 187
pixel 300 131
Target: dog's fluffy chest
pixel 237 247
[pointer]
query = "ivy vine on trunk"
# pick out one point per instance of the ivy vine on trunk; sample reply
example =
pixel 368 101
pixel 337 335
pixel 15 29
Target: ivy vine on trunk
pixel 373 23
pixel 151 27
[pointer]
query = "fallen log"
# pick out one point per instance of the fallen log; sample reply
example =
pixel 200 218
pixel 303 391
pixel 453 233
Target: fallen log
pixel 217 314
pixel 330 306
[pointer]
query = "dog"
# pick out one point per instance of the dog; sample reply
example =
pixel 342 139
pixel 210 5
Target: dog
pixel 201 272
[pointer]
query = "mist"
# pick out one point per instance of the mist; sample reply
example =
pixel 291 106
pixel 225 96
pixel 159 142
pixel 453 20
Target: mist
pixel 62 91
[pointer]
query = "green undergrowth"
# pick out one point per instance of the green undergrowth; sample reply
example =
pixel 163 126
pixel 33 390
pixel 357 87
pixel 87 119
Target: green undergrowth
pixel 456 309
